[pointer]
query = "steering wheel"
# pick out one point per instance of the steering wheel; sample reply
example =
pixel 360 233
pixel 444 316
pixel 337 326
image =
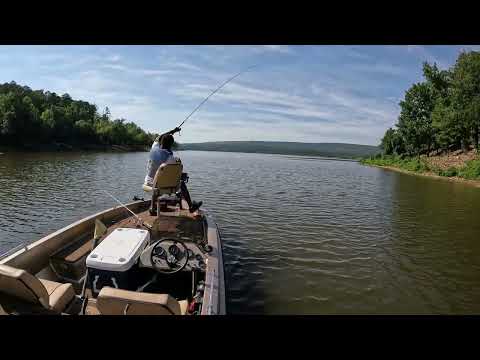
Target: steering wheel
pixel 166 254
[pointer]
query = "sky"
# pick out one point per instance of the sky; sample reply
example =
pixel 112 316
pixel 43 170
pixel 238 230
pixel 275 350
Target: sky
pixel 347 94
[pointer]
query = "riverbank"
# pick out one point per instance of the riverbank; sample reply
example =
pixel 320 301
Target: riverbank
pixel 475 183
pixel 458 166
pixel 61 147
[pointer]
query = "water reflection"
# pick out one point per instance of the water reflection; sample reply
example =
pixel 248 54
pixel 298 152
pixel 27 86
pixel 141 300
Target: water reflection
pixel 301 235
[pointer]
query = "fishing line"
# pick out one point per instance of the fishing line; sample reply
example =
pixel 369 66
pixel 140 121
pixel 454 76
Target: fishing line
pixel 118 201
pixel 214 91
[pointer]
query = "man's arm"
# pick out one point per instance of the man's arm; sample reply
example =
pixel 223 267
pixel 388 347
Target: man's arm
pixel 159 137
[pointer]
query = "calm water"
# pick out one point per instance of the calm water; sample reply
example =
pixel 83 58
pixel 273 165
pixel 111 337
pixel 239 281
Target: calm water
pixel 301 236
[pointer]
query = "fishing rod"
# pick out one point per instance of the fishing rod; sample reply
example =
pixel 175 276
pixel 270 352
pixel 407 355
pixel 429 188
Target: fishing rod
pixel 213 92
pixel 149 227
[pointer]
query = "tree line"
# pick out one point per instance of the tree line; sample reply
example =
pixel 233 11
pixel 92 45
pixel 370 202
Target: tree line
pixel 42 117
pixel 441 113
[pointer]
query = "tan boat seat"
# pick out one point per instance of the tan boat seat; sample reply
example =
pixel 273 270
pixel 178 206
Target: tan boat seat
pixel 167 178
pixel 111 301
pixel 24 286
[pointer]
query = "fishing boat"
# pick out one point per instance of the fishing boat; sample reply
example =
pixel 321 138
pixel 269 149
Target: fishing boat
pixel 126 260
pixel 122 261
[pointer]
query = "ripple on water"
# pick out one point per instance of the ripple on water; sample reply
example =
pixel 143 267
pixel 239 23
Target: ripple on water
pixel 301 236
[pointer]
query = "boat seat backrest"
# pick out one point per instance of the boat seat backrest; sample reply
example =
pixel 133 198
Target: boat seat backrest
pixel 111 301
pixel 167 178
pixel 22 285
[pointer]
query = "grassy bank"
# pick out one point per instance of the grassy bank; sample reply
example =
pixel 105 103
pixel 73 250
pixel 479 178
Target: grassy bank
pixel 469 170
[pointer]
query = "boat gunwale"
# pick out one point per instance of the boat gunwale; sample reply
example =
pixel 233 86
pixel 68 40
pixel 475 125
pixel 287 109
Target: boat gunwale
pixel 26 248
pixel 215 275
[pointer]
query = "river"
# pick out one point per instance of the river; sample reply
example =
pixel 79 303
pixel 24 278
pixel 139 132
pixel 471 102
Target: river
pixel 301 235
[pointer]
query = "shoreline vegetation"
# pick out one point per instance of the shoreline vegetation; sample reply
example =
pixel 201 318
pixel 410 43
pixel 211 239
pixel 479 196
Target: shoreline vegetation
pixel 438 129
pixel 61 147
pixel 457 179
pixel 460 167
pixel 42 120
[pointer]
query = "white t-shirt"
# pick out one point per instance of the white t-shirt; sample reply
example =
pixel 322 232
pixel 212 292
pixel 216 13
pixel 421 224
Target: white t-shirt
pixel 157 157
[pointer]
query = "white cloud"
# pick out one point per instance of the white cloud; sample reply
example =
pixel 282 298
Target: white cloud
pixel 185 65
pixel 335 106
pixel 470 48
pixel 136 71
pixel 276 115
pixel 332 112
pixel 379 68
pixel 114 58
pixel 263 99
pixel 356 52
pixel 315 102
pixel 425 55
pixel 234 128
pixel 278 48
pixel 255 48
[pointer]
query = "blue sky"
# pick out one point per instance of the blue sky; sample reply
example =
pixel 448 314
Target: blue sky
pixel 297 93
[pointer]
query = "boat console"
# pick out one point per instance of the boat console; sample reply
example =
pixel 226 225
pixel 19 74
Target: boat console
pixel 170 255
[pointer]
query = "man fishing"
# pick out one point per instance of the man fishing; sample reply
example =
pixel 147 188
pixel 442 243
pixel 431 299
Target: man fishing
pixel 160 153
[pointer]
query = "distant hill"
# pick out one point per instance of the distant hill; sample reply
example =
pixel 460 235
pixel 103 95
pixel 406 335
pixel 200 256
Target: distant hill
pixel 349 151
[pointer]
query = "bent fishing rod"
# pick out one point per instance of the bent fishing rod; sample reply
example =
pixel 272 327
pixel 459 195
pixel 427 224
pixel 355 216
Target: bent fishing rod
pixel 213 92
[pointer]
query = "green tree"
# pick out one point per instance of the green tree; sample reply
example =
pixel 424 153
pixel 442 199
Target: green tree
pixel 19 118
pixel 7 115
pixel 38 116
pixel 438 80
pixel 466 95
pixel 387 144
pixel 47 119
pixel 84 131
pixel 415 123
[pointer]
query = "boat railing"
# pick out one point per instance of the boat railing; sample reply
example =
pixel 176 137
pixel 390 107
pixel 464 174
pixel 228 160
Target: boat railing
pixel 13 250
pixel 210 300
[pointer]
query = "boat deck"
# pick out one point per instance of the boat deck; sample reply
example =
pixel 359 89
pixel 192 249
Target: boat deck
pixel 172 223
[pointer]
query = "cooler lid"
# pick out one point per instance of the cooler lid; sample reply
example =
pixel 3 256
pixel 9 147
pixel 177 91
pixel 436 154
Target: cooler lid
pixel 119 250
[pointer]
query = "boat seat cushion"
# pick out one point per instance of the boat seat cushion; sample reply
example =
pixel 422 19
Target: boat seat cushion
pixel 10 305
pixel 91 308
pixel 59 295
pixel 20 284
pixel 167 178
pixel 111 301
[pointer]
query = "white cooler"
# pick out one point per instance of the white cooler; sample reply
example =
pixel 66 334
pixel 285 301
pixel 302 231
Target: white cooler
pixel 112 262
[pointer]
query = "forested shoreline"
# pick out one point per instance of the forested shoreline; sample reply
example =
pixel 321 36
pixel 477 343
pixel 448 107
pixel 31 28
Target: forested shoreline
pixel 38 119
pixel 439 116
